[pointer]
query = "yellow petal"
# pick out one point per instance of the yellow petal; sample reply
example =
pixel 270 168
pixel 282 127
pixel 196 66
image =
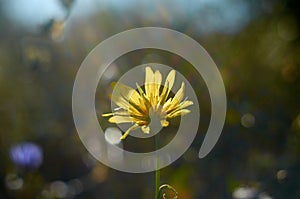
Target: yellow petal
pixel 180 93
pixel 177 98
pixel 107 114
pixel 168 86
pixel 181 106
pixel 146 129
pixel 149 77
pixel 122 94
pixel 171 78
pixel 128 131
pixel 185 104
pixel 121 102
pixel 121 113
pixel 120 119
pixel 136 108
pixel 167 105
pixel 157 83
pixel 142 93
pixel 164 123
pixel 144 101
pixel 180 112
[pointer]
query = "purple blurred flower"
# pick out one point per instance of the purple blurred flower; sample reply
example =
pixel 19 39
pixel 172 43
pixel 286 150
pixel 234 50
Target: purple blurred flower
pixel 26 154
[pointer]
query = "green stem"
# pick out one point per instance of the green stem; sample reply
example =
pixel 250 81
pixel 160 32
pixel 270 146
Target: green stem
pixel 157 171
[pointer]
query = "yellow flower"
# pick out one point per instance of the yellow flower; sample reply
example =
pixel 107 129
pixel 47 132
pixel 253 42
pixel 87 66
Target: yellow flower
pixel 141 107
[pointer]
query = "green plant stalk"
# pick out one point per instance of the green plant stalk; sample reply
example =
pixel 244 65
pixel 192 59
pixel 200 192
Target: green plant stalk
pixel 157 171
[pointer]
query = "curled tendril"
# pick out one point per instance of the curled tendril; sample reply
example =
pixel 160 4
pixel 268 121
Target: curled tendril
pixel 162 192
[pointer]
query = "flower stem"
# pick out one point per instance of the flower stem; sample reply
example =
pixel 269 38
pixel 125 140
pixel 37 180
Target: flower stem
pixel 157 171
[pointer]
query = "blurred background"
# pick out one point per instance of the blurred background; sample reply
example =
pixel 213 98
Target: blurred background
pixel 255 44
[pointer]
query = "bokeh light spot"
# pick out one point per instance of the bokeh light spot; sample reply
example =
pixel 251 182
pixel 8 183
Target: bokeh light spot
pixel 245 193
pixel 13 182
pixel 281 175
pixel 112 135
pixel 59 189
pixel 248 120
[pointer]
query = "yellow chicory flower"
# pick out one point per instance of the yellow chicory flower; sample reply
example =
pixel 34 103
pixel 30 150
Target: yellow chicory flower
pixel 140 106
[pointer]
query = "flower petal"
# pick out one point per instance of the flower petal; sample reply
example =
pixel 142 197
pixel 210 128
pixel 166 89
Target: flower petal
pixel 107 114
pixel 180 106
pixel 171 78
pixel 185 104
pixel 180 93
pixel 144 101
pixel 168 86
pixel 122 94
pixel 176 99
pixel 164 123
pixel 135 126
pixel 167 105
pixel 146 129
pixel 149 78
pixel 157 83
pixel 120 119
pixel 180 112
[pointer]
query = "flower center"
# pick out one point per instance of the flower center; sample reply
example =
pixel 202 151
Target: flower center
pixel 155 118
